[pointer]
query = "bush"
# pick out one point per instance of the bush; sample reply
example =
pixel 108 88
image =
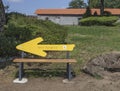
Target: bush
pixel 117 23
pixel 87 13
pixel 7 46
pixel 95 13
pixel 107 13
pixel 108 21
pixel 21 28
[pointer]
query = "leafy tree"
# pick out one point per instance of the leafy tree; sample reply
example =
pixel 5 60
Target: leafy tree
pixel 87 13
pixel 104 4
pixel 97 4
pixel 107 3
pixel 94 3
pixel 95 13
pixel 101 7
pixel 77 4
pixel 2 15
pixel 107 13
pixel 112 3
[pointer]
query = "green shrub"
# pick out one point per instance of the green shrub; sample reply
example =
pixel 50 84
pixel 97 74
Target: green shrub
pixel 104 20
pixel 117 23
pixel 87 13
pixel 95 13
pixel 107 13
pixel 21 28
pixel 7 46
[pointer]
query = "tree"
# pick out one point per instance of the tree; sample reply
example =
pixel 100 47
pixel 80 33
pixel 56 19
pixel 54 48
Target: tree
pixel 107 3
pixel 87 13
pixel 112 3
pixel 97 4
pixel 77 4
pixel 104 4
pixel 101 7
pixel 2 16
pixel 94 3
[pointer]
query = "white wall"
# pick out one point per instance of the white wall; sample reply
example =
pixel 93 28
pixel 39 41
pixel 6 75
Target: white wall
pixel 62 20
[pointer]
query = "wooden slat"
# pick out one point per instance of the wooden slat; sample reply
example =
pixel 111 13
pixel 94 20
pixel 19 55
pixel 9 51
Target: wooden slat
pixel 45 60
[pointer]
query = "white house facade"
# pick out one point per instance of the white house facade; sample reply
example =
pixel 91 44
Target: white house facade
pixel 61 16
pixel 60 19
pixel 68 16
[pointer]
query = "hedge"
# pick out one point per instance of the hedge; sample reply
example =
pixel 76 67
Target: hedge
pixel 102 20
pixel 21 28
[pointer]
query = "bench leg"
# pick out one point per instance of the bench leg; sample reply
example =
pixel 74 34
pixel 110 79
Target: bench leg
pixel 21 71
pixel 21 66
pixel 69 75
pixel 69 72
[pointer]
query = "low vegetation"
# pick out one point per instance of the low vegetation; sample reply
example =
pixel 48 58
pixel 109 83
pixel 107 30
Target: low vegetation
pixel 92 41
pixel 21 28
pixel 103 20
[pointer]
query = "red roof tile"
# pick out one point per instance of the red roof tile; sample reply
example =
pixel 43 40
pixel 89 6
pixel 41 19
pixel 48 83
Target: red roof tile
pixel 73 11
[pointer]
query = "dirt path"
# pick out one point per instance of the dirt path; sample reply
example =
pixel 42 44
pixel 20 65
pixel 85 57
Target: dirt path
pixel 82 82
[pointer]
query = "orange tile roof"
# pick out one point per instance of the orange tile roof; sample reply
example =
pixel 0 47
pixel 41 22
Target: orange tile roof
pixel 60 11
pixel 114 11
pixel 73 11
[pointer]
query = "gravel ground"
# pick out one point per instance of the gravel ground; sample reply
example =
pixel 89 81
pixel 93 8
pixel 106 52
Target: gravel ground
pixel 83 82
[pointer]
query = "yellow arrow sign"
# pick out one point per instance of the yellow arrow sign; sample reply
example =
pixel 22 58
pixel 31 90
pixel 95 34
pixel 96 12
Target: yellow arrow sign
pixel 33 47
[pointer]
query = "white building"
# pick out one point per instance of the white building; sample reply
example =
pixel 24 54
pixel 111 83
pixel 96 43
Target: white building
pixel 68 16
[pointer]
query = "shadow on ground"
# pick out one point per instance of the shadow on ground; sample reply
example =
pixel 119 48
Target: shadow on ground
pixel 36 72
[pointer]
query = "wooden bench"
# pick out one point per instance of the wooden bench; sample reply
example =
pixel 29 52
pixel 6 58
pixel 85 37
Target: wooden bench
pixel 23 60
pixel 44 60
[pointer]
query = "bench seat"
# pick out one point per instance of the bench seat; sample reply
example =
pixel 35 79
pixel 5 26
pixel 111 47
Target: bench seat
pixel 45 60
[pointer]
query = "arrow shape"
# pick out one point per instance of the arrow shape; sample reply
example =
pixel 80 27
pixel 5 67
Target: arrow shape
pixel 34 47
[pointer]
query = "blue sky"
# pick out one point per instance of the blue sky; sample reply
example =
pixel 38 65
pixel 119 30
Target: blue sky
pixel 29 6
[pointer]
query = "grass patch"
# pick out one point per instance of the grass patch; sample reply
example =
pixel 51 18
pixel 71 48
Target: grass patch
pixel 92 41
